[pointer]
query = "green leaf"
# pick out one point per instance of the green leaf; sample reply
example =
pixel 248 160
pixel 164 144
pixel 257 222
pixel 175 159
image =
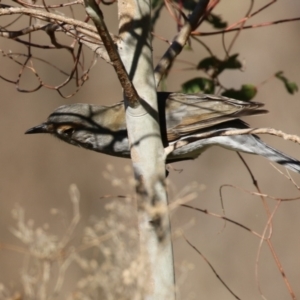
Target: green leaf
pixel 208 63
pixel 214 63
pixel 199 84
pixel 232 62
pixel 246 93
pixel 189 4
pixel 156 3
pixel 216 21
pixel 187 47
pixel 291 87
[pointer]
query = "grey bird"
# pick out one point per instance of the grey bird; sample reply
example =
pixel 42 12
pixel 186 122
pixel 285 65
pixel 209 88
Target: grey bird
pixel 183 118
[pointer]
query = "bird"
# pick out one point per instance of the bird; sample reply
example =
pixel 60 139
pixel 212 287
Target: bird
pixel 184 118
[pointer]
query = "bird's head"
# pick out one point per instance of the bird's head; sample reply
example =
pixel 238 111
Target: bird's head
pixel 84 125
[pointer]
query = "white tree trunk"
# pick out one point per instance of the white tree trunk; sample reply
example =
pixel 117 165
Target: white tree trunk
pixel 147 151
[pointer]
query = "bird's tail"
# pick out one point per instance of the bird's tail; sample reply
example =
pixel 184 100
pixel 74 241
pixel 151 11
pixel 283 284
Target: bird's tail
pixel 254 145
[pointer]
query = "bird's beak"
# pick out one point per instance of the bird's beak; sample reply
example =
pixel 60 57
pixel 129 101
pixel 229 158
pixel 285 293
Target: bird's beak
pixel 42 128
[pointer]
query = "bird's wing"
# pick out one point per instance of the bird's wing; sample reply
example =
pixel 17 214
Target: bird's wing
pixel 186 114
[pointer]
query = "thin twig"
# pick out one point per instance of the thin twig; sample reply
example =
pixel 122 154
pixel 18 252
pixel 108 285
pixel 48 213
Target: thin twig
pixel 197 33
pixel 179 41
pixel 212 268
pixel 205 211
pixel 93 10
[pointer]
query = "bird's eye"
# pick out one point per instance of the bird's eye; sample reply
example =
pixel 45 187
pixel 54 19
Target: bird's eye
pixel 66 130
pixel 69 131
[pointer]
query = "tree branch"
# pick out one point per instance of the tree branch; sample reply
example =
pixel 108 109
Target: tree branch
pixel 96 15
pixel 271 131
pixel 180 40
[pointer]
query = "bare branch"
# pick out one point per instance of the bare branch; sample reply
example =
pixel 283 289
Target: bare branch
pixel 212 268
pixel 46 16
pixel 196 33
pixel 96 15
pixel 180 40
pixel 271 131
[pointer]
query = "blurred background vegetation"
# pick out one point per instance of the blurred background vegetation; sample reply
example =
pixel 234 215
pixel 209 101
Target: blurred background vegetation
pixel 36 171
